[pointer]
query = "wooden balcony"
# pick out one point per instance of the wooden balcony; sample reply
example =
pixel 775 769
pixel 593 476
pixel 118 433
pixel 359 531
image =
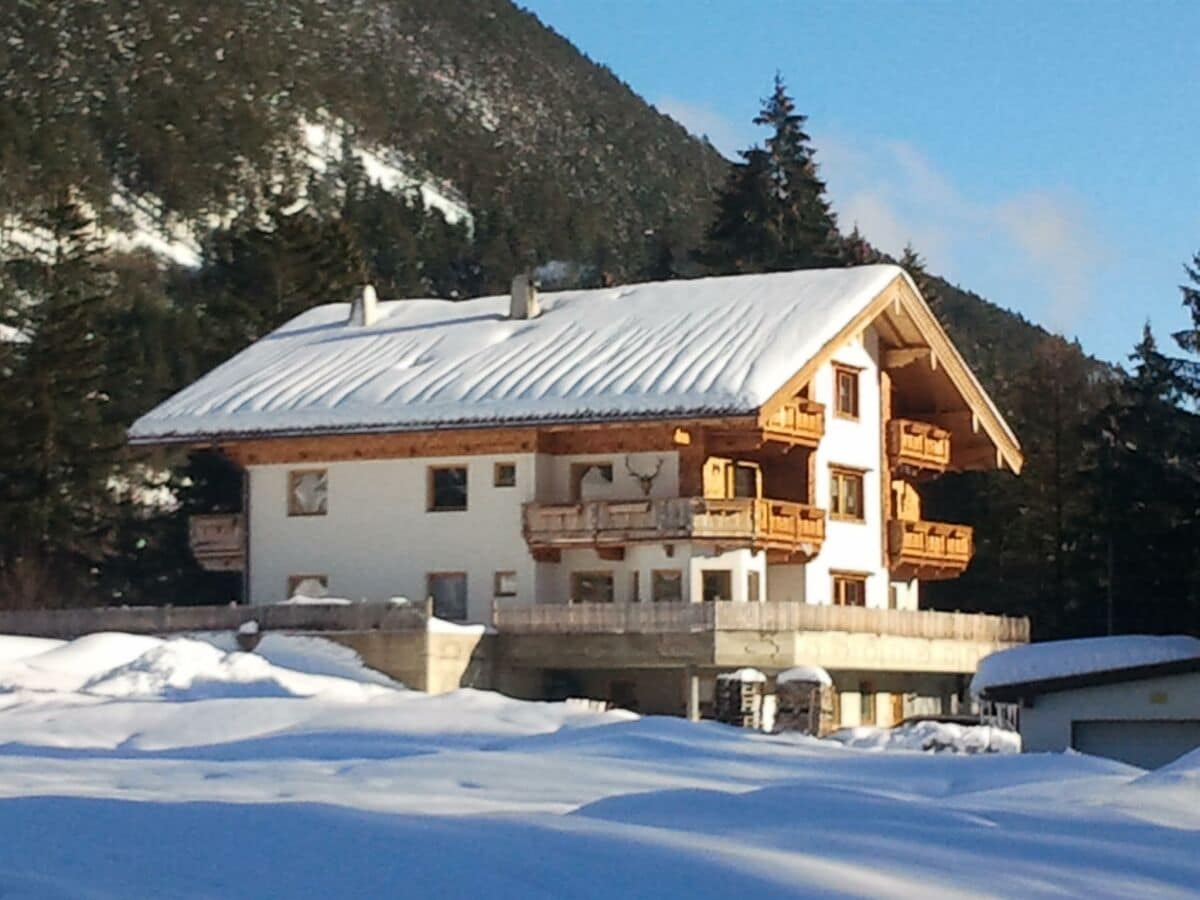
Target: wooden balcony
pixel 218 542
pixel 792 530
pixel 930 551
pixel 798 423
pixel 918 445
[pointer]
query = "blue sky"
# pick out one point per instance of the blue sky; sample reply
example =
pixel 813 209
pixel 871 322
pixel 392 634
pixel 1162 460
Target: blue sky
pixel 1045 155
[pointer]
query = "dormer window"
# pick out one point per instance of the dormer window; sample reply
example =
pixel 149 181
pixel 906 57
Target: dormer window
pixel 846 391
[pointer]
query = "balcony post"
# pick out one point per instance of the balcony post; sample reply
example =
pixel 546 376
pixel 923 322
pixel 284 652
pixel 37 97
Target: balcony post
pixel 691 679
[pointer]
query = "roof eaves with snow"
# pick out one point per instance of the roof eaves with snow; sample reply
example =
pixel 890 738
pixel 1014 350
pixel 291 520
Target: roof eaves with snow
pixel 1027 690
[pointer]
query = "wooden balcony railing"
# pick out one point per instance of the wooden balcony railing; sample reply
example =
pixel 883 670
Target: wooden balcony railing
pixel 931 551
pixel 218 542
pixel 663 618
pixel 801 421
pixel 777 525
pixel 918 445
pixel 798 423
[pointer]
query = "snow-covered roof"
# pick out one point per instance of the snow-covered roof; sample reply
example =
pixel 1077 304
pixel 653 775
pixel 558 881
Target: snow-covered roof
pixel 809 674
pixel 746 676
pixel 1059 661
pixel 709 346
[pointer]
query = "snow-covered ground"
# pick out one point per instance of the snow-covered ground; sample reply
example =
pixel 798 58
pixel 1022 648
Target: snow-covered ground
pixel 134 767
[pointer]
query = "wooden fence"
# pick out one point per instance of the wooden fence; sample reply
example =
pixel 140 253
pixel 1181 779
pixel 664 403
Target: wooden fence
pixel 651 618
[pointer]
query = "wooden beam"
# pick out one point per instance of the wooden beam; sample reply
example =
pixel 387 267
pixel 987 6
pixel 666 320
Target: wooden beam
pixel 900 357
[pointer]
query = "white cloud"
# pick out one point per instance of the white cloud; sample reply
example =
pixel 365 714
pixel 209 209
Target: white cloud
pixel 1035 246
pixel 725 134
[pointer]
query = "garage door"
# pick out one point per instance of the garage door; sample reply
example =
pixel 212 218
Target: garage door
pixel 1145 744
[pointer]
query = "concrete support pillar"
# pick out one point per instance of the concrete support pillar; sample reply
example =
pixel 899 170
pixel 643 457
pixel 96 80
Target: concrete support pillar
pixel 691 682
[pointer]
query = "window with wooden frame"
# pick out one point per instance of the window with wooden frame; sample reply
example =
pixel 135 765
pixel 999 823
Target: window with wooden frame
pixel 448 591
pixel 716 585
pixel 308 492
pixel 666 586
pixel 314 586
pixel 504 584
pixel 504 475
pixel 849 589
pixel 446 489
pixel 591 587
pixel 866 703
pixel 747 480
pixel 846 494
pixel 845 384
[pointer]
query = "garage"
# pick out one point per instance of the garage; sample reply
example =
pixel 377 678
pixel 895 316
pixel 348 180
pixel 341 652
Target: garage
pixel 1146 744
pixel 1133 698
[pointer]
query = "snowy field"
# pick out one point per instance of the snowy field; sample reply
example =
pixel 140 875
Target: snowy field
pixel 134 767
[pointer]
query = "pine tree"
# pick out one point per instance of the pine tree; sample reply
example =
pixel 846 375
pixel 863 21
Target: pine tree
pixel 256 277
pixel 914 265
pixel 1189 339
pixel 857 251
pixel 773 214
pixel 1147 465
pixel 59 448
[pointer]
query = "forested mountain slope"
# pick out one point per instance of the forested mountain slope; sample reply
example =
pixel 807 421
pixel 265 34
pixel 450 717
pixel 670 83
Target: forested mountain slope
pixel 197 104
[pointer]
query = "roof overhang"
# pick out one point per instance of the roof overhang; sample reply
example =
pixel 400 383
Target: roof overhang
pixel 900 309
pixel 1026 690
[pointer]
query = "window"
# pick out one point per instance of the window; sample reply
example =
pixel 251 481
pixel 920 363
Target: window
pixel 752 587
pixel 591 587
pixel 666 586
pixel 315 586
pixel 893 597
pixel 589 475
pixel 448 591
pixel 717 585
pixel 745 480
pixel 308 492
pixel 866 703
pixel 849 589
pixel 504 474
pixel 846 382
pixel 504 584
pixel 447 488
pixel 846 494
pixel 635 587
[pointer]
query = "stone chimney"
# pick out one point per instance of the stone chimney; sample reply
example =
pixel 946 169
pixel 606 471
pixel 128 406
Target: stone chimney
pixel 524 302
pixel 363 309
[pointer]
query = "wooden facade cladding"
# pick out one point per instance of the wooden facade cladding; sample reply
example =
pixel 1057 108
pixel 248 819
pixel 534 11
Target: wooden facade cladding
pixel 930 551
pixel 785 529
pixel 218 542
pixel 800 422
pixel 611 437
pixel 917 445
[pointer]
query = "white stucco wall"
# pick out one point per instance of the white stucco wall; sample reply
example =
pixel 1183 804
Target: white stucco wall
pixel 1046 725
pixel 786 583
pixel 850 546
pixel 378 540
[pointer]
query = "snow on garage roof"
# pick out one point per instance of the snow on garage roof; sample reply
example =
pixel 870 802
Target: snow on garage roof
pixel 709 346
pixel 1041 665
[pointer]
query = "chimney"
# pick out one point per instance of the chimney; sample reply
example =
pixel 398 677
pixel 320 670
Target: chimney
pixel 524 302
pixel 363 308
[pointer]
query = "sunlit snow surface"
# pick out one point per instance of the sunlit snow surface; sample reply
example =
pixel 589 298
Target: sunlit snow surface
pixel 134 767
